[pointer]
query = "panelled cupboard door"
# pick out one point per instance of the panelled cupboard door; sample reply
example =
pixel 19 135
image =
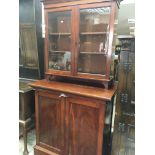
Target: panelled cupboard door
pixel 85 121
pixel 50 125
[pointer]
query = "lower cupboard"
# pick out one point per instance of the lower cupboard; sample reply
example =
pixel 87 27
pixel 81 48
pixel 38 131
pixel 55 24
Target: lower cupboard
pixel 68 124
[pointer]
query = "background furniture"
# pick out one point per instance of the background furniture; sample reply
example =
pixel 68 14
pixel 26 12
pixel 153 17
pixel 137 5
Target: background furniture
pixel 126 84
pixel 26 109
pixel 30 40
pixel 31 64
pixel 73 107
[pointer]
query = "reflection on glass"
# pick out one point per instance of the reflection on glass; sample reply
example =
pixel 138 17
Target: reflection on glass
pixel 94 20
pixel 59 22
pixel 94 32
pixel 60 61
pixel 59 45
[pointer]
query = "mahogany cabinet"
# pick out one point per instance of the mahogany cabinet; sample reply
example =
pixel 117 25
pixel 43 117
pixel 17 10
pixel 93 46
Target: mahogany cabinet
pixel 78 38
pixel 73 108
pixel 31 63
pixel 69 119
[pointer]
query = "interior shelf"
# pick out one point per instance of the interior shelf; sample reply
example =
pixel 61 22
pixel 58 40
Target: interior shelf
pixel 60 34
pixel 58 51
pixel 93 33
pixel 97 53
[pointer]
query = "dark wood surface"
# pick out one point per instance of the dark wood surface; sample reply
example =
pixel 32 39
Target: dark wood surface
pixel 51 118
pixel 95 77
pixel 86 123
pixel 26 99
pixel 26 104
pixel 26 108
pixel 68 124
pixel 93 92
pixel 29 46
pixel 126 76
pixel 30 40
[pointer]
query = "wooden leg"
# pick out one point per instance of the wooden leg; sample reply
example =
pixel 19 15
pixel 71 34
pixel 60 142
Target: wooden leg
pixel 24 125
pixel 25 139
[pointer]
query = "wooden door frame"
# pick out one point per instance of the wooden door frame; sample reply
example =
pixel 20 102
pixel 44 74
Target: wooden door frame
pixel 52 71
pixel 110 41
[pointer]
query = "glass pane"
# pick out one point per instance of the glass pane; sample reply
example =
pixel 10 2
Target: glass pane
pixel 94 64
pixel 59 45
pixel 94 32
pixel 60 60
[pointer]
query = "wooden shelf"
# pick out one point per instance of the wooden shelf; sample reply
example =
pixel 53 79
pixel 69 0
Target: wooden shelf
pixel 57 34
pixel 93 53
pixel 58 51
pixel 93 33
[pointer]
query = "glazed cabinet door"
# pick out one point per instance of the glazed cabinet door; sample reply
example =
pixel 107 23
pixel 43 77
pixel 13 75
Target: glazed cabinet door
pixel 59 39
pixel 93 34
pixel 85 121
pixel 50 122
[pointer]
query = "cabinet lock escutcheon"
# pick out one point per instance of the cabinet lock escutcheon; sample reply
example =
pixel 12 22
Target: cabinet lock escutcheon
pixel 62 95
